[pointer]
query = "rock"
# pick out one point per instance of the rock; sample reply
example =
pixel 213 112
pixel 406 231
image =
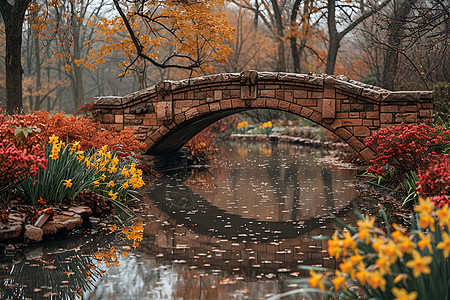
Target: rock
pixel 81 210
pixel 94 221
pixel 67 222
pixel 17 217
pixel 12 231
pixel 52 228
pixel 32 234
pixel 10 250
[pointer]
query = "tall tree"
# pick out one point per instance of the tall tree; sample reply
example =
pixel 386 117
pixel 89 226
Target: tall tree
pixel 348 17
pixel 13 16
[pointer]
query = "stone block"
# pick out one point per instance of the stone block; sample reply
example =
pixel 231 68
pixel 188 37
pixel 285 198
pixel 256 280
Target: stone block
pixel 267 93
pixel 203 109
pixel 372 115
pixel 368 154
pixel 406 117
pixel 389 108
pixel 386 118
pixel 300 94
pixel 200 95
pixel 289 96
pixel 191 113
pixel 164 110
pixel 284 105
pixel 225 104
pixel 295 108
pixel 306 112
pixel 316 117
pixel 307 102
pixel 361 131
pixel 355 143
pixel 315 94
pixel 328 108
pixel 351 122
pixel 343 133
pixel 108 119
pixel 118 119
pixel 214 106
pixel 217 95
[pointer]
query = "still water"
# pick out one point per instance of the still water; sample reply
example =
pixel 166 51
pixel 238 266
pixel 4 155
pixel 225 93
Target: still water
pixel 235 230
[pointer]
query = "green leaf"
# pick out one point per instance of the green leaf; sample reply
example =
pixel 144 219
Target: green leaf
pixel 314 268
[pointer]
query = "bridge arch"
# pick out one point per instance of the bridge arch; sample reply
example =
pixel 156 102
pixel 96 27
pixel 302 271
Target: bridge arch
pixel 166 115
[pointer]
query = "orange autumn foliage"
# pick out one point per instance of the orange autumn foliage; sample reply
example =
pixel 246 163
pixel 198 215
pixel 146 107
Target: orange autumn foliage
pixel 89 133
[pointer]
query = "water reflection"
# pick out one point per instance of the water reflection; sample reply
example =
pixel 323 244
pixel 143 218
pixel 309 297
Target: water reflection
pixel 236 230
pixel 271 182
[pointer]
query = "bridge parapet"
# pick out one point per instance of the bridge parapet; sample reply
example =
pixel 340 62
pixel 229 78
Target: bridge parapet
pixel 168 114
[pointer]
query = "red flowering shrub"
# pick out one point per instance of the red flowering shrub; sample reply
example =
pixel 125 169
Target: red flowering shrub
pixel 435 178
pixel 405 147
pixel 440 201
pixel 203 146
pixel 21 151
pixel 87 132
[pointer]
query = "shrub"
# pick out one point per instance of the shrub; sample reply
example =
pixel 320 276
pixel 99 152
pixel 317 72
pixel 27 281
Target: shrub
pixel 203 146
pixel 88 133
pixel 70 171
pixel 435 178
pixel 377 264
pixel 405 147
pixel 21 153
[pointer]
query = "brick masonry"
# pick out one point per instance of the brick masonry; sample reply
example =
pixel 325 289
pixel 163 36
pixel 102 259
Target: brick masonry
pixel 166 115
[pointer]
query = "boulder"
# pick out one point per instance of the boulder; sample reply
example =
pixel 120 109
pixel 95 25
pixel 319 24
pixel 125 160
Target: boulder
pixel 12 230
pixel 67 222
pixel 32 234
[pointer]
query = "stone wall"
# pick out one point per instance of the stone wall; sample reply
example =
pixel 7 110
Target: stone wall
pixel 167 115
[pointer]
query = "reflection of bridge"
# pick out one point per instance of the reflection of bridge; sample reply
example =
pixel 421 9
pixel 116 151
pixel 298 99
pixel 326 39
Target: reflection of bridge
pixel 170 113
pixel 190 229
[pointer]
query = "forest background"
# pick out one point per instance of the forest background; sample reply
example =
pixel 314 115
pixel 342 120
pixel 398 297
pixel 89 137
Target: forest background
pixel 73 50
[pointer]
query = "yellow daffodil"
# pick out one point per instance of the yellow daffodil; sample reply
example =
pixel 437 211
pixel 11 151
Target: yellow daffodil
pixel 110 184
pixel 112 195
pixel 334 246
pixel 115 161
pixel 125 185
pixel 426 220
pixel 424 206
pixel 348 242
pixel 443 215
pixel 383 264
pixel 105 148
pixel 339 281
pixel 346 266
pixel 356 258
pixel 406 246
pixel 103 177
pixel 67 183
pixel 445 244
pixel 419 264
pixel 53 139
pixel 362 275
pixel 316 279
pixel 402 294
pixel 364 227
pixel 96 183
pixel 425 242
pixel 376 280
pixel 113 170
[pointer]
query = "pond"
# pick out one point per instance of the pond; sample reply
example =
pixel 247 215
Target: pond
pixel 235 230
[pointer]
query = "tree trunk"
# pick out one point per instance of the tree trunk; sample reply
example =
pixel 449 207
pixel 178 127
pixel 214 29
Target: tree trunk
pixel 281 63
pixel 293 39
pixel 335 39
pixel 13 16
pixel 395 38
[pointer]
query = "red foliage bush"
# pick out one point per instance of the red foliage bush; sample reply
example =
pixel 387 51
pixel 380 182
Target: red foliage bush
pixel 440 201
pixel 21 151
pixel 203 145
pixel 435 178
pixel 405 147
pixel 87 132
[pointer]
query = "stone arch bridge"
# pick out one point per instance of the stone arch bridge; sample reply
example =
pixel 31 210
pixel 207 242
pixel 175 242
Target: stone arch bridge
pixel 168 114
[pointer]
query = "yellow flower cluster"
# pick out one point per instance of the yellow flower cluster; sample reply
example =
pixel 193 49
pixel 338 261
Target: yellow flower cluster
pixel 242 125
pixel 369 255
pixel 266 125
pixel 56 146
pixel 104 166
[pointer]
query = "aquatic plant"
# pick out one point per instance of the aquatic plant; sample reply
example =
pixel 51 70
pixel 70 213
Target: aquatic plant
pixel 385 264
pixel 70 171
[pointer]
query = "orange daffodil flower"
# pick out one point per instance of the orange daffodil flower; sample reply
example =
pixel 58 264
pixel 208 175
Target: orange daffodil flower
pixel 365 227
